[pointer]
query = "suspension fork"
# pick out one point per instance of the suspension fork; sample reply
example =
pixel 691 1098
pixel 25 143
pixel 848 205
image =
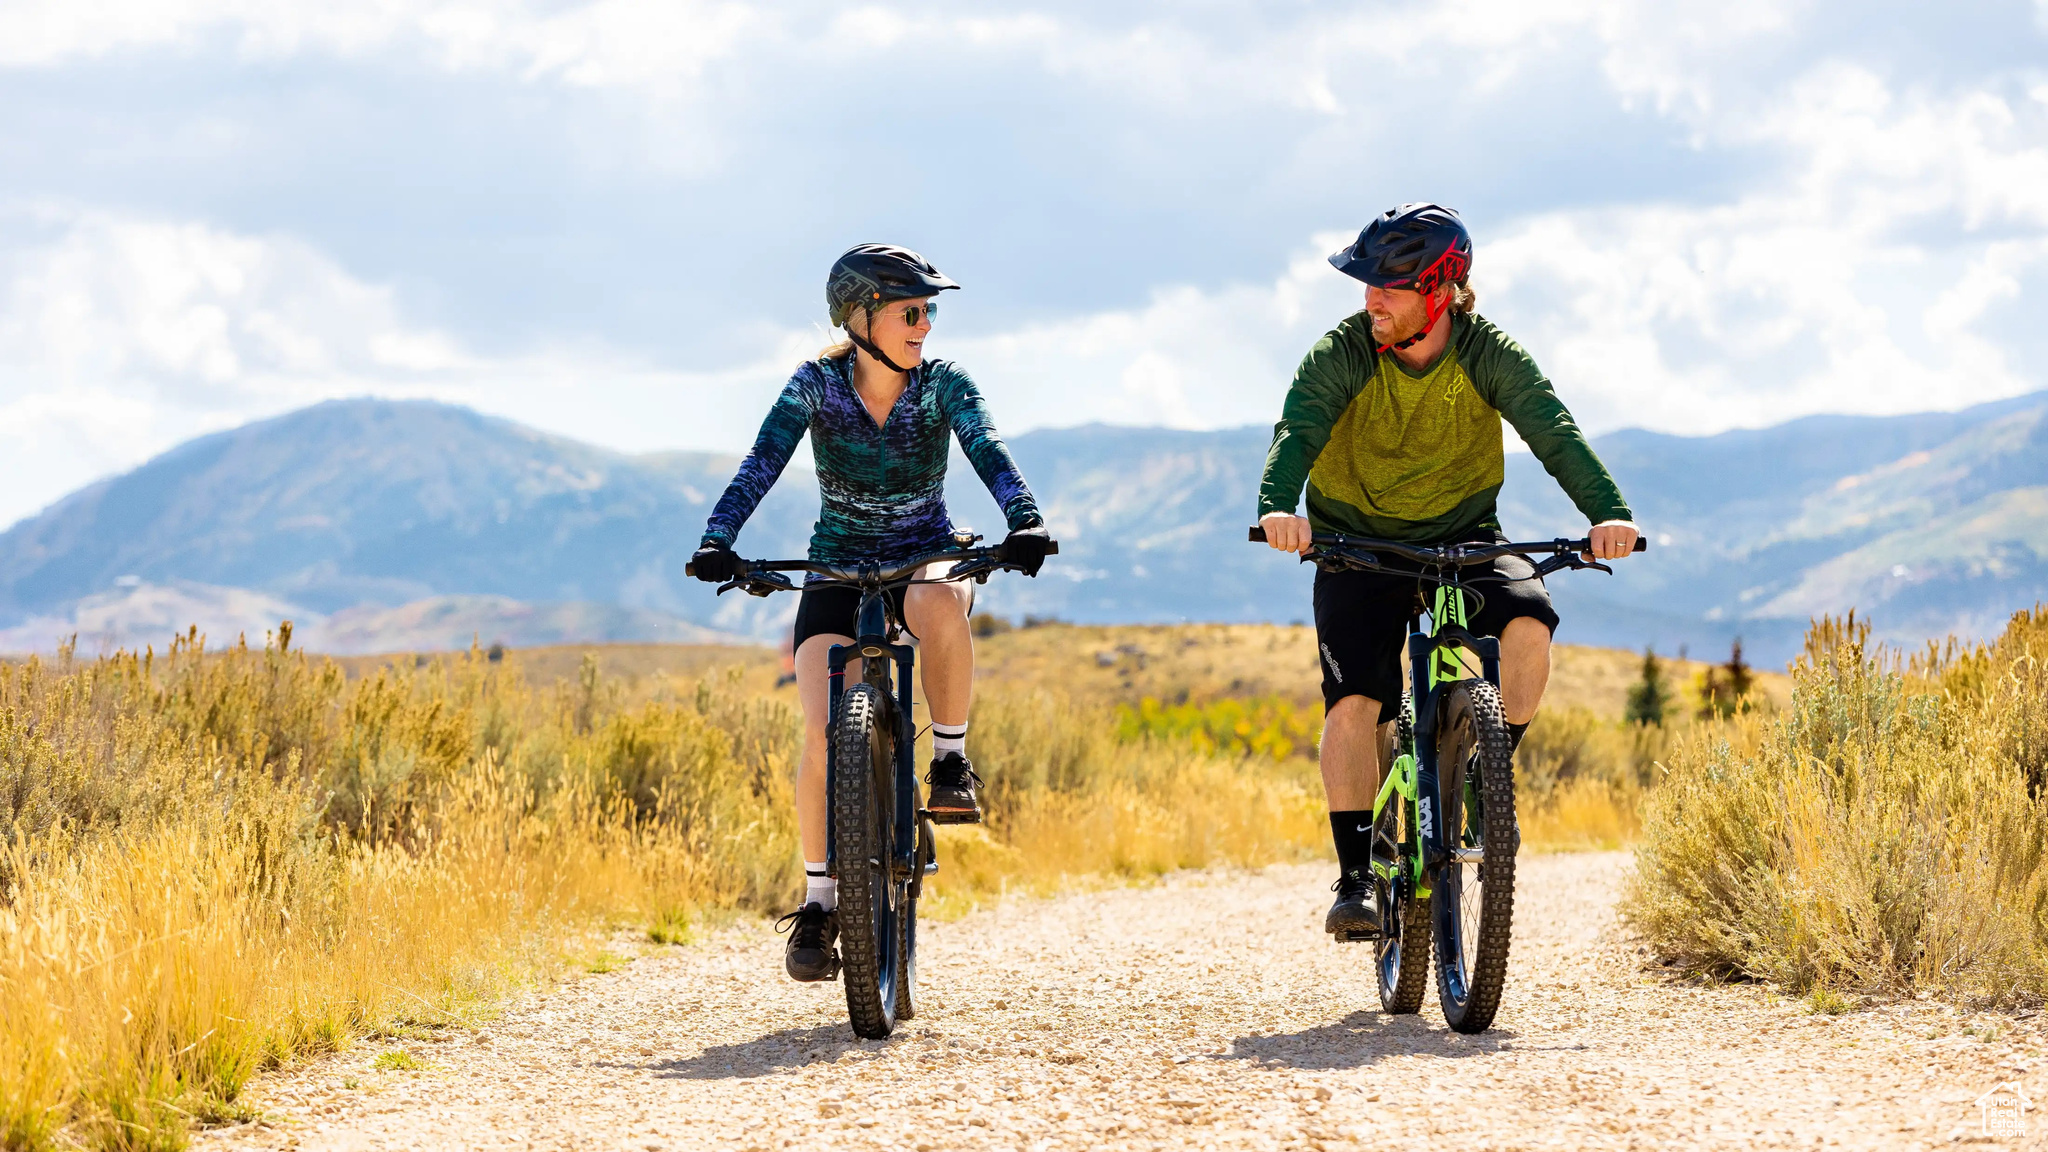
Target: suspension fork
pixel 1435 660
pixel 875 629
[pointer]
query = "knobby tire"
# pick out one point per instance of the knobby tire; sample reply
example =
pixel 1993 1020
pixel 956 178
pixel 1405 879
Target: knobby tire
pixel 1472 931
pixel 863 812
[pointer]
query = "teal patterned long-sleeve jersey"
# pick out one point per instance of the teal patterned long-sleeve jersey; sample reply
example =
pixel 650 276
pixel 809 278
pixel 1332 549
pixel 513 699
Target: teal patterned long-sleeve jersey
pixel 882 489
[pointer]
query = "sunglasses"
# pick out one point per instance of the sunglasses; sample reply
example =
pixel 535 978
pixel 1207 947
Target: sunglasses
pixel 915 314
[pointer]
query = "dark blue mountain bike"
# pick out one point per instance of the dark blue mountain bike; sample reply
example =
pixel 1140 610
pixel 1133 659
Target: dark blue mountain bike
pixel 1444 830
pixel 879 842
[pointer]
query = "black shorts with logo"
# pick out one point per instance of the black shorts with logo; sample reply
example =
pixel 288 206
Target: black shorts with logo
pixel 1362 622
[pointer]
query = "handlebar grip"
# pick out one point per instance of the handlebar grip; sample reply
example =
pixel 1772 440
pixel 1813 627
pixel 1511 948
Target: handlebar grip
pixel 1642 544
pixel 1052 548
pixel 1258 535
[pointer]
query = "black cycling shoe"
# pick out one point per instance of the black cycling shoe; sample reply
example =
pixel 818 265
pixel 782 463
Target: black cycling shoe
pixel 952 798
pixel 1356 914
pixel 812 931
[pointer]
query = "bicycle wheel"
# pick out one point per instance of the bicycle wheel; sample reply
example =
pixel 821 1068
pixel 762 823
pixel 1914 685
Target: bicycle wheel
pixel 1401 960
pixel 864 824
pixel 1474 902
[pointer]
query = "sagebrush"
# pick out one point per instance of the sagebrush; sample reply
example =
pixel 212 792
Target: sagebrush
pixel 1887 833
pixel 217 861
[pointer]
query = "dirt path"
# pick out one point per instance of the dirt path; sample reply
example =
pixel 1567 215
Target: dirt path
pixel 1207 1012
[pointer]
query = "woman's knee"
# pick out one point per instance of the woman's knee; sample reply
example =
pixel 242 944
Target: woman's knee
pixel 935 608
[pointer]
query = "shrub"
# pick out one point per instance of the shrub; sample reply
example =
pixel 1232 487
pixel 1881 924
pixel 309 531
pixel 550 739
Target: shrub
pixel 1885 834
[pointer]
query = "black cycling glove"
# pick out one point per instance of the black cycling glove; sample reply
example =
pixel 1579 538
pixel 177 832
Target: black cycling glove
pixel 1026 549
pixel 714 564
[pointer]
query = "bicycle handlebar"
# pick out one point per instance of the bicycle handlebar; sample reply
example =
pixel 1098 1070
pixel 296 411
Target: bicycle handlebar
pixel 766 574
pixel 1458 555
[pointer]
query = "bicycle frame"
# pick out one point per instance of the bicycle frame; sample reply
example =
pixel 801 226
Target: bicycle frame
pixel 1434 661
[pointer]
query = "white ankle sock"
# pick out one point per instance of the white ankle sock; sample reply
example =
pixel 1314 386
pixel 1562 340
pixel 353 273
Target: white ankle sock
pixel 947 738
pixel 819 888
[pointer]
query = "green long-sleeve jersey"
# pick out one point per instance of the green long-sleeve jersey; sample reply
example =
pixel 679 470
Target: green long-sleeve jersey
pixel 1418 456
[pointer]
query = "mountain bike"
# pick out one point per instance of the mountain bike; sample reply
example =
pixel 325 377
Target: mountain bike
pixel 879 840
pixel 1444 829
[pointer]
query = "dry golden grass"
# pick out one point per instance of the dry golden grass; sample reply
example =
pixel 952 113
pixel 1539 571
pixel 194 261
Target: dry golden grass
pixel 1583 771
pixel 1179 662
pixel 1885 833
pixel 221 861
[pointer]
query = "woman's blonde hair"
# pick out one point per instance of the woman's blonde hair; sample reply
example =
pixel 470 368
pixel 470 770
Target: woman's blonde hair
pixel 839 348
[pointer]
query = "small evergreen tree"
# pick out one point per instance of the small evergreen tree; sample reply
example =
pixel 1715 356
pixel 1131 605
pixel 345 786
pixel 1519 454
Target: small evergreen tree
pixel 1649 698
pixel 1726 686
pixel 1740 678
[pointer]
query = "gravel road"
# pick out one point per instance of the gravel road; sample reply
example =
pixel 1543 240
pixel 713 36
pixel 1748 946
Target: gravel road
pixel 1208 1011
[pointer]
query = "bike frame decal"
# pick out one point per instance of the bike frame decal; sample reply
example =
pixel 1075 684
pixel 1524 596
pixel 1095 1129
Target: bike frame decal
pixel 1448 611
pixel 1400 781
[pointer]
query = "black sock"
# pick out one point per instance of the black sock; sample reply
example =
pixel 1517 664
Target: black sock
pixel 1353 834
pixel 1515 733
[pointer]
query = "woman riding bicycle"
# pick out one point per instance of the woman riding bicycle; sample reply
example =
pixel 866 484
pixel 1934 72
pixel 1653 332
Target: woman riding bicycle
pixel 879 415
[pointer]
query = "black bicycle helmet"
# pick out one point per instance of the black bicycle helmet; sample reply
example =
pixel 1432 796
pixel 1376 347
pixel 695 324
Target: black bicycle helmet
pixel 1418 247
pixel 870 275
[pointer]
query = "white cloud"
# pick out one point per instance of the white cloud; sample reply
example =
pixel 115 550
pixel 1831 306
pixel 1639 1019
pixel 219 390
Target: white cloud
pixel 1187 359
pixel 604 43
pixel 1856 282
pixel 1859 265
pixel 121 336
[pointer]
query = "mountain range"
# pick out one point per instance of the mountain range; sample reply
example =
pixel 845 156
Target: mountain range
pixel 387 525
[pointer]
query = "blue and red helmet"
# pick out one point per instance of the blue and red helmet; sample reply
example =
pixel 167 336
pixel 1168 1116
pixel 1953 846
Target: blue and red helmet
pixel 1417 247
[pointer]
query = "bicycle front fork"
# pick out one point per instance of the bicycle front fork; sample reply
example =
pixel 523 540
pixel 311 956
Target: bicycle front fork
pixel 900 717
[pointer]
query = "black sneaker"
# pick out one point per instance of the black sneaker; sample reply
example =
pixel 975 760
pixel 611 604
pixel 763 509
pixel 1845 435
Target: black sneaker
pixel 952 797
pixel 812 932
pixel 1356 914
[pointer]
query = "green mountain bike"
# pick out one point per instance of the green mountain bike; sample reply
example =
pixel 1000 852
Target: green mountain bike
pixel 1444 830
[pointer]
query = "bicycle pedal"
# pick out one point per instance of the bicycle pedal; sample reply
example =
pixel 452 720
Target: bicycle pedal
pixel 1357 937
pixel 950 817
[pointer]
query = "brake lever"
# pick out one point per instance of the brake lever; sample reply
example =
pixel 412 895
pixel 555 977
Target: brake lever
pixel 758 584
pixel 1344 561
pixel 1572 561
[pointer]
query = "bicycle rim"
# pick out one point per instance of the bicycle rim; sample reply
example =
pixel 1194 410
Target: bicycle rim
pixel 1474 901
pixel 871 903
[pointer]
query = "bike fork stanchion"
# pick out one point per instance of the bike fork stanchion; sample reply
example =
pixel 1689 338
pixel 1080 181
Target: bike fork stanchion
pixel 1422 650
pixel 907 805
pixel 835 682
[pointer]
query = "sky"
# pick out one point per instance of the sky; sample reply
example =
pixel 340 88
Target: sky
pixel 613 220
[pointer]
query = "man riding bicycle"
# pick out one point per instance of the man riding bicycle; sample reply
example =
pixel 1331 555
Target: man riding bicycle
pixel 1394 424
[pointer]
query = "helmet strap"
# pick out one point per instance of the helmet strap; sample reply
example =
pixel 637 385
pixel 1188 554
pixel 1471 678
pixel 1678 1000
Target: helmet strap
pixel 862 343
pixel 1436 313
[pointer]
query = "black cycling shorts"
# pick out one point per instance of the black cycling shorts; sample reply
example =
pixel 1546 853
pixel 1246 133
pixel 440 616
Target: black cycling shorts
pixel 835 611
pixel 1362 623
